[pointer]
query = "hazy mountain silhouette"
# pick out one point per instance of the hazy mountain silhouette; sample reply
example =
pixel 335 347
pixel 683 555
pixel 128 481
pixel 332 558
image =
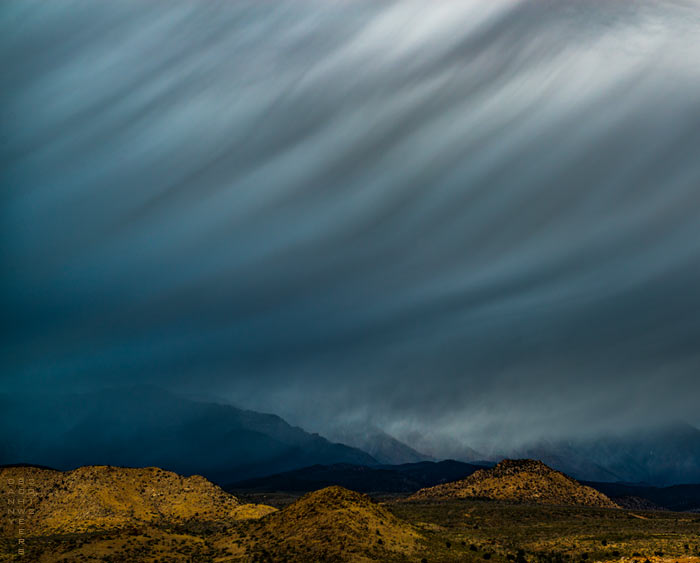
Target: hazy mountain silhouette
pixel 675 497
pixel 403 478
pixel 381 446
pixel 667 455
pixel 144 426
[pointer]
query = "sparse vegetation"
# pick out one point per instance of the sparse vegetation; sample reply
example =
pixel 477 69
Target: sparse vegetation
pixel 523 480
pixel 335 524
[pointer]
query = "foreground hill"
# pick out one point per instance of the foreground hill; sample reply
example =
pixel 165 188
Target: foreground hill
pixel 333 524
pixel 102 513
pixel 404 478
pixel 411 477
pixel 522 480
pixel 147 426
pixel 119 515
pixel 102 498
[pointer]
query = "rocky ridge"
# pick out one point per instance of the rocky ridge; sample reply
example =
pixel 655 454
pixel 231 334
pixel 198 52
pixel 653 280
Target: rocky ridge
pixel 523 480
pixel 106 497
pixel 333 524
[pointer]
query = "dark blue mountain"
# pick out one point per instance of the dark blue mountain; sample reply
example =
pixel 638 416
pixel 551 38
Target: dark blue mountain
pixel 144 426
pixel 403 478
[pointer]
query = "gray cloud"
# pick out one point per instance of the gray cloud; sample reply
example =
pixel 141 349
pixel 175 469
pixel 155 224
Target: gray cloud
pixel 474 223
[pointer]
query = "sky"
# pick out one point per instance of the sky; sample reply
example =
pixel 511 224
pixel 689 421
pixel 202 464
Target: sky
pixel 463 222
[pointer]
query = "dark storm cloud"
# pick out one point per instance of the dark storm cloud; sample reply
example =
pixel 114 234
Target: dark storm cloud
pixel 458 220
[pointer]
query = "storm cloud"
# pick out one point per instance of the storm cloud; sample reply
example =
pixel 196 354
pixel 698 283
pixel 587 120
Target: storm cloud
pixel 464 222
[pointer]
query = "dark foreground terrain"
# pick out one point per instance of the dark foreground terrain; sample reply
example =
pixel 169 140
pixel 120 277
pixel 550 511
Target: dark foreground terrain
pixel 450 531
pixel 483 530
pixel 128 515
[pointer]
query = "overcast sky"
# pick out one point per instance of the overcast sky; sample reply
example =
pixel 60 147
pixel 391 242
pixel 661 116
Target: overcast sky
pixel 472 221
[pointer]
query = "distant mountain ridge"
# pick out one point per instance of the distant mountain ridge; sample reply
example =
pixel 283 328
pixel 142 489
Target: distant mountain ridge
pixel 411 477
pixel 405 478
pixel 147 426
pixel 521 480
pixel 675 497
pixel 663 456
pixel 381 446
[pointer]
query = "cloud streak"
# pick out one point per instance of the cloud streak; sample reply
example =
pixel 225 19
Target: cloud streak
pixel 474 223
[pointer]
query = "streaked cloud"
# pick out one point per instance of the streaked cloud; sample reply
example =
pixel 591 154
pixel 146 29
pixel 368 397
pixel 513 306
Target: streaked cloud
pixel 473 221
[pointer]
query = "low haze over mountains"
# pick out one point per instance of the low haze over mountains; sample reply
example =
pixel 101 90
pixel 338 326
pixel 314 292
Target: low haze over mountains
pixel 380 445
pixel 485 230
pixel 661 456
pixel 146 425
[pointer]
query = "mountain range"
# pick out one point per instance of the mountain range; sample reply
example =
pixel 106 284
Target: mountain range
pixel 381 446
pixel 404 478
pixel 399 480
pixel 661 456
pixel 147 426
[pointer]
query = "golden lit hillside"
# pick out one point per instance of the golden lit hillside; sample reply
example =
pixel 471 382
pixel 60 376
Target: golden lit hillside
pixel 333 524
pixel 104 497
pixel 117 515
pixel 522 480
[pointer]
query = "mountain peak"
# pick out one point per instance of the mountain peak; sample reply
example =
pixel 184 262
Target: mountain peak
pixel 383 447
pixel 335 497
pixel 144 426
pixel 512 466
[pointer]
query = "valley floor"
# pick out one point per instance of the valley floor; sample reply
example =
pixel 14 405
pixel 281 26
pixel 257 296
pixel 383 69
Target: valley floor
pixel 463 530
pixel 488 530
